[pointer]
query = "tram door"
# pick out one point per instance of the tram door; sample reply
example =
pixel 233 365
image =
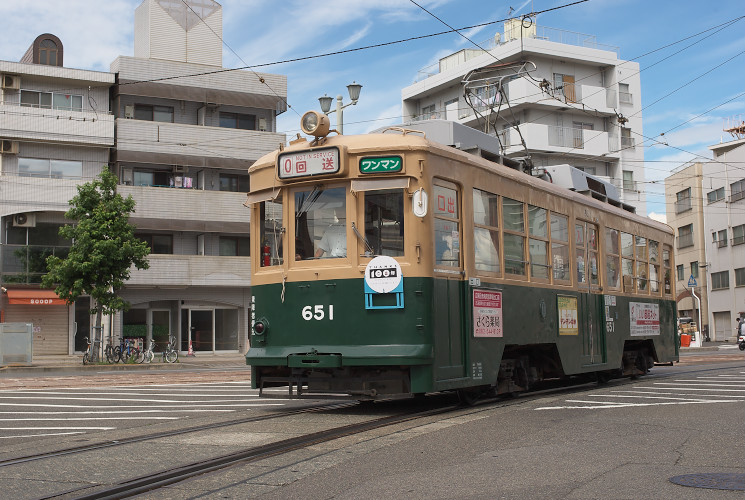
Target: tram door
pixel 449 293
pixel 592 322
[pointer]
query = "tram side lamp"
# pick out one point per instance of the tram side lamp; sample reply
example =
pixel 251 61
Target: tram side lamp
pixel 260 329
pixel 315 124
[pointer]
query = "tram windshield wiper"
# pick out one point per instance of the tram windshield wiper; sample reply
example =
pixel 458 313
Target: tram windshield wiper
pixel 368 249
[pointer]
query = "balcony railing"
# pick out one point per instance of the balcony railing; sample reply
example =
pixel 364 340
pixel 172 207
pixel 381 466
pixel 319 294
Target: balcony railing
pixel 685 241
pixel 722 243
pixel 737 196
pixel 628 142
pixel 625 98
pixel 738 240
pixel 567 137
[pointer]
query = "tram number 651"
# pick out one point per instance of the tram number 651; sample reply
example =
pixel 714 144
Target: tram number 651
pixel 318 312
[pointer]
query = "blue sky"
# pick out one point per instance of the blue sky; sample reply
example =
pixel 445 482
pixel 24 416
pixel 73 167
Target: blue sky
pixel 708 74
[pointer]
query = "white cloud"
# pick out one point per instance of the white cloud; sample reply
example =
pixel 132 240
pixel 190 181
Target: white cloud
pixel 658 217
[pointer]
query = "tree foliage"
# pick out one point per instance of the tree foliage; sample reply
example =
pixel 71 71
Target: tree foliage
pixel 103 250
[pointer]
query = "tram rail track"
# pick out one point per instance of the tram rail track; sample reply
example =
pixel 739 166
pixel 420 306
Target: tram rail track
pixel 138 485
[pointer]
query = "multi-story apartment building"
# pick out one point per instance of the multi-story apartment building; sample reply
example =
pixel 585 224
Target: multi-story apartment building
pixel 724 232
pixel 684 207
pixel 186 131
pixel 551 95
pixel 706 208
pixel 56 131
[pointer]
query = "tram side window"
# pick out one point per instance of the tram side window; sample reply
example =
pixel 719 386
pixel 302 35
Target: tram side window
pixel 654 267
pixel 667 266
pixel 271 233
pixel 513 221
pixel 579 248
pixel 384 222
pixel 560 247
pixel 592 247
pixel 642 281
pixel 486 231
pixel 320 223
pixel 612 259
pixel 538 242
pixel 446 218
pixel 627 261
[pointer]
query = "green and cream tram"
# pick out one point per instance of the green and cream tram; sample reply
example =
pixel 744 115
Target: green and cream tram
pixel 386 265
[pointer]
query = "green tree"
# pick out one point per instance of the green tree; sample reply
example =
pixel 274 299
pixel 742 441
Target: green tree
pixel 103 250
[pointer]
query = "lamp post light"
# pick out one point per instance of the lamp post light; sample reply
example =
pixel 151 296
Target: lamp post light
pixel 354 94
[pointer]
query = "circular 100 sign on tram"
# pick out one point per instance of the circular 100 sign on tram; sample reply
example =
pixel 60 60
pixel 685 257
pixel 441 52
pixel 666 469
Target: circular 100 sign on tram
pixel 383 274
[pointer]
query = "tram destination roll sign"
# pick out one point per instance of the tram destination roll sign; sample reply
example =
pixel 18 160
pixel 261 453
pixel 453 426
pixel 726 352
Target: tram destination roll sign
pixel 321 161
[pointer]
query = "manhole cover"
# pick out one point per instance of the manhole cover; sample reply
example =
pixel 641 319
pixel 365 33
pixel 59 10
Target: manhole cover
pixel 714 480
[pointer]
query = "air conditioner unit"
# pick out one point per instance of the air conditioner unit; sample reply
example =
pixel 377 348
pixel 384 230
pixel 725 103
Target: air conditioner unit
pixel 262 124
pixel 8 147
pixel 129 111
pixel 11 82
pixel 24 220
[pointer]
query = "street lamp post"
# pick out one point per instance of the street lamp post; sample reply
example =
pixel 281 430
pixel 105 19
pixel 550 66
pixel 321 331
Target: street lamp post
pixel 354 94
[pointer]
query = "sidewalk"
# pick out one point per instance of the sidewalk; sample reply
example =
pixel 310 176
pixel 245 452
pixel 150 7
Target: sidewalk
pixel 206 360
pixel 711 346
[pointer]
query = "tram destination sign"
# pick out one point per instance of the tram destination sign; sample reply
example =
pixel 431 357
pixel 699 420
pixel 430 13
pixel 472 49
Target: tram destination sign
pixel 321 161
pixel 381 165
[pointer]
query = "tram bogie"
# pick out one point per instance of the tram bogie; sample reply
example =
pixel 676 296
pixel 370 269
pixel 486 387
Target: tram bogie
pixel 388 266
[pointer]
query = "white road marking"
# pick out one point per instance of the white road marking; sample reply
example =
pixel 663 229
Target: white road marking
pixel 688 388
pixel 138 400
pixel 78 419
pixel 699 383
pixel 56 428
pixel 625 405
pixel 245 405
pixel 42 435
pixel 185 410
pixel 684 394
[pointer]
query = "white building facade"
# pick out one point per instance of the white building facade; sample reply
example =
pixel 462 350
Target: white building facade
pixel 724 233
pixel 180 135
pixel 551 95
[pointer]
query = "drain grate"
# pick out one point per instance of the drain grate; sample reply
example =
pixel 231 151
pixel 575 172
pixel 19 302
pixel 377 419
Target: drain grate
pixel 714 480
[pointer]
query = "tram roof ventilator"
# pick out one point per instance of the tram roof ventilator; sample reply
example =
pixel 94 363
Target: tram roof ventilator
pixel 487 146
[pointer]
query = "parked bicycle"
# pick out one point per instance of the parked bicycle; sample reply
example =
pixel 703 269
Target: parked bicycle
pixel 110 353
pixel 148 355
pixel 171 353
pixel 126 350
pixel 88 354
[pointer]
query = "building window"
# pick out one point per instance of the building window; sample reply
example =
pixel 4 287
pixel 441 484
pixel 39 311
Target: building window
pixel 235 183
pixel 158 243
pixel 628 180
pixel 234 246
pixel 564 85
pixel 685 236
pixel 738 235
pixel 720 238
pixel 737 190
pixel 720 281
pixel 715 196
pixel 48 52
pixel 624 94
pixel 55 169
pixel 154 113
pixel 740 276
pixel 51 100
pixel 627 142
pixel 683 201
pixel 429 113
pixel 694 269
pixel 679 272
pixel 236 120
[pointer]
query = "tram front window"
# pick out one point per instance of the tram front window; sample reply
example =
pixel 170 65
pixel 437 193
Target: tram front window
pixel 320 223
pixel 384 222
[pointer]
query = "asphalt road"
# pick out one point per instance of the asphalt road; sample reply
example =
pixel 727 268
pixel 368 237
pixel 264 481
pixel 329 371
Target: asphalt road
pixel 622 440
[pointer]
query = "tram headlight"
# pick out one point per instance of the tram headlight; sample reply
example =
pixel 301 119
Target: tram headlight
pixel 315 124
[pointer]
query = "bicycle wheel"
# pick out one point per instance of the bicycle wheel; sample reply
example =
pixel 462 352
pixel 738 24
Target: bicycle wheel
pixel 86 358
pixel 171 356
pixel 137 355
pixel 109 353
pixel 117 354
pixel 148 356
